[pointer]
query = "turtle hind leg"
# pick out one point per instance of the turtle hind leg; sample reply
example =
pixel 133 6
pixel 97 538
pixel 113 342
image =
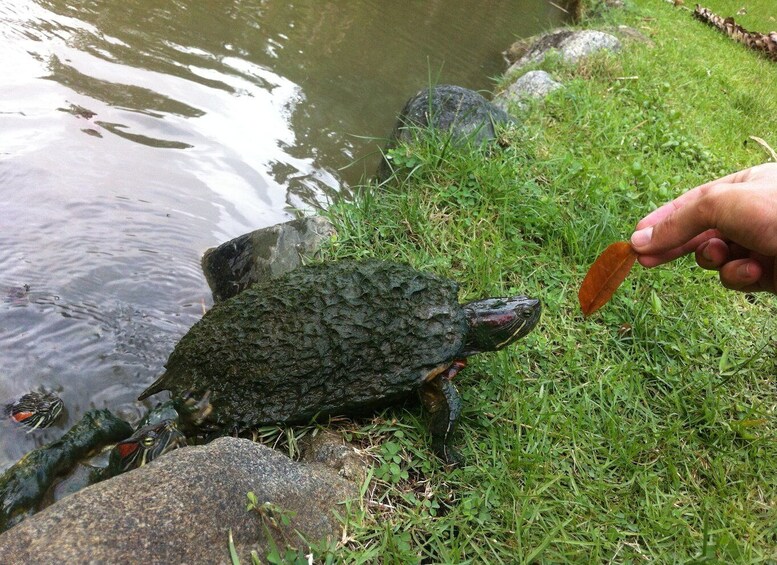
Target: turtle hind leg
pixel 443 407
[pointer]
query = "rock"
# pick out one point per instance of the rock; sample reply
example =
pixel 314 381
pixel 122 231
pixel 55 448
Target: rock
pixel 269 252
pixel 572 46
pixel 328 448
pixel 463 113
pixel 532 85
pixel 24 485
pixel 517 50
pixel 631 34
pixel 181 507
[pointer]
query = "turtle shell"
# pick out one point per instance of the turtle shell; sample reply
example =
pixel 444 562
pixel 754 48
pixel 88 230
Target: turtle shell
pixel 327 339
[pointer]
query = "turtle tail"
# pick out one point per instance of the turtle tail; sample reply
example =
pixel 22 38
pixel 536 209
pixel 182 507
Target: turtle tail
pixel 157 386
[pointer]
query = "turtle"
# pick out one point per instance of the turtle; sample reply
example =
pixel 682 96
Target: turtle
pixel 36 409
pixel 340 338
pixel 28 485
pixel 143 446
pixel 23 486
pixel 163 429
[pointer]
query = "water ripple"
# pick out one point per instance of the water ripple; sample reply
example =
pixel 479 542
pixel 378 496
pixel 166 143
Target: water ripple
pixel 136 134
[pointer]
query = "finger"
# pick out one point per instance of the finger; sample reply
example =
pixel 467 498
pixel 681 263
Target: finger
pixel 685 223
pixel 712 254
pixel 659 213
pixel 688 197
pixel 766 265
pixel 654 259
pixel 742 275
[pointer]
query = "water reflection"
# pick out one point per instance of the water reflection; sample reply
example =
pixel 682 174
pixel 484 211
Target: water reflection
pixel 135 134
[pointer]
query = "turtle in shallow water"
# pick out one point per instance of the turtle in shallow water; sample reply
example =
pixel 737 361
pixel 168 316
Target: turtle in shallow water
pixel 36 409
pixel 162 430
pixel 23 486
pixel 143 446
pixel 32 482
pixel 340 338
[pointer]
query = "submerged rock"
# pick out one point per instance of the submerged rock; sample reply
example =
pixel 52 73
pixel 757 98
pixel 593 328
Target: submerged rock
pixel 235 265
pixel 181 508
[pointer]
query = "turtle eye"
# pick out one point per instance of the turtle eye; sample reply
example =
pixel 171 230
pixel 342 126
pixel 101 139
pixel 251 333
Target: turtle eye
pixel 148 441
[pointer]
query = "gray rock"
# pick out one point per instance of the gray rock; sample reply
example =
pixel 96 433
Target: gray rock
pixel 630 34
pixel 269 252
pixel 517 50
pixel 458 111
pixel 181 507
pixel 534 84
pixel 328 448
pixel 571 45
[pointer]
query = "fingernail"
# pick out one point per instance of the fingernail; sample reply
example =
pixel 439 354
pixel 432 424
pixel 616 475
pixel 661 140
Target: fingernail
pixel 704 250
pixel 642 237
pixel 744 271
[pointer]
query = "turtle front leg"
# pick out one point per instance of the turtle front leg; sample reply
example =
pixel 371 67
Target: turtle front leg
pixel 443 406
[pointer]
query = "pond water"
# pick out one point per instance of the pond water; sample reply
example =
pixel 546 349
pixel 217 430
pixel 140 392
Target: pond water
pixel 135 134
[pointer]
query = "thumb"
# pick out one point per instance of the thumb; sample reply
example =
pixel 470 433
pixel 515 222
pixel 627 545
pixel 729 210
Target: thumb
pixel 681 231
pixel 693 219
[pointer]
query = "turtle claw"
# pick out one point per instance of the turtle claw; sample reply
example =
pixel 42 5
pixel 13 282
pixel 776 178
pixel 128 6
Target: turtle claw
pixel 197 411
pixel 450 456
pixel 443 408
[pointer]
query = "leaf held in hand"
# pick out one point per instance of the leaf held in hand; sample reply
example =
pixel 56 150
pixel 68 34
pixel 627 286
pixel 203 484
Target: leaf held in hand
pixel 605 276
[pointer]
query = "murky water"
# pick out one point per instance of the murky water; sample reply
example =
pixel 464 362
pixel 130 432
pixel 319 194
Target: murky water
pixel 136 134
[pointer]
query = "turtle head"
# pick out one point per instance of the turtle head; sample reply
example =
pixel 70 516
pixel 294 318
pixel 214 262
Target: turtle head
pixel 145 445
pixel 36 409
pixel 497 322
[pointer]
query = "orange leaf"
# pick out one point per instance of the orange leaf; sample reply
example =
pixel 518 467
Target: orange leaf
pixel 605 276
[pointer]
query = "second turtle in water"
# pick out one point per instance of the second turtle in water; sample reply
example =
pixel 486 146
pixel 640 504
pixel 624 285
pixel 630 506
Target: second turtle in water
pixel 340 339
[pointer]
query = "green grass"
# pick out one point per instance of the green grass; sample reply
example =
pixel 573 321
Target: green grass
pixel 643 434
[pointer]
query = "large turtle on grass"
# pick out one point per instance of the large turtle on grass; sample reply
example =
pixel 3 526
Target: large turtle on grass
pixel 340 338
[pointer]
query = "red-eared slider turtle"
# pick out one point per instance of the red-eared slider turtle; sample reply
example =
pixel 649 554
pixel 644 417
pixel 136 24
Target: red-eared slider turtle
pixel 143 446
pixel 157 433
pixel 37 409
pixel 27 485
pixel 23 485
pixel 340 338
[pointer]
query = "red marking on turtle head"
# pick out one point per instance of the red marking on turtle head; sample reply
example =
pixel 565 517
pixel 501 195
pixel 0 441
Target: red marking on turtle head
pixel 22 416
pixel 126 448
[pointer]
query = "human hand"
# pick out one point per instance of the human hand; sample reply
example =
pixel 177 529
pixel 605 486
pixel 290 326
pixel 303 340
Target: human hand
pixel 730 223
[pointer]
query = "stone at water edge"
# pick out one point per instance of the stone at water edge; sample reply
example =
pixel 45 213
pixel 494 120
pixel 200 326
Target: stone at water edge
pixel 180 508
pixel 269 252
pixel 571 46
pixel 449 109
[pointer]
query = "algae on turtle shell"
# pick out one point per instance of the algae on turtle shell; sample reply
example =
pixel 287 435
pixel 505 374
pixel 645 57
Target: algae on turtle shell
pixel 339 338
